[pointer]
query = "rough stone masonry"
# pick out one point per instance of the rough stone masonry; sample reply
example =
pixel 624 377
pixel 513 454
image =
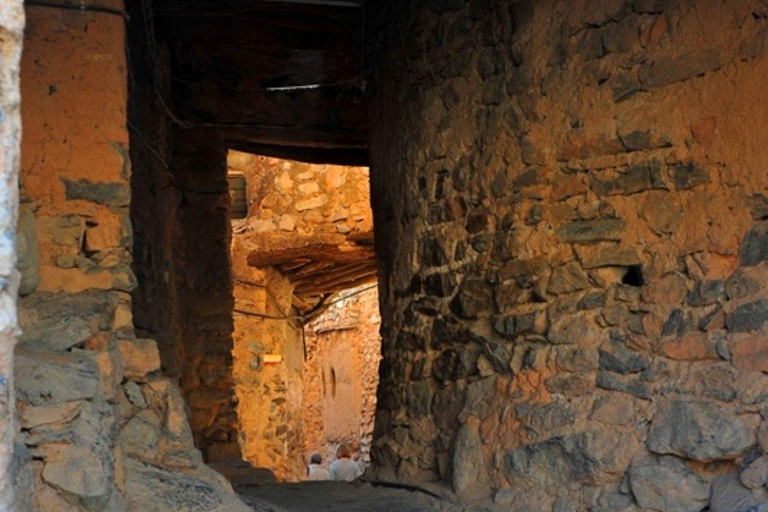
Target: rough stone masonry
pixel 570 202
pixel 571 215
pixel 297 211
pixel 100 427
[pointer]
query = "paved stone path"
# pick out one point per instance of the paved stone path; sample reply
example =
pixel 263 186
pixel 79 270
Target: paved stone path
pixel 342 497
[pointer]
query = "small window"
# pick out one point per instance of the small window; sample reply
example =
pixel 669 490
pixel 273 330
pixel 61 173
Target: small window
pixel 238 195
pixel 333 383
pixel 324 386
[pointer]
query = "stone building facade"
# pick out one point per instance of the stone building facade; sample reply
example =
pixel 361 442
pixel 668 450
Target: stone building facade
pixel 570 206
pixel 341 375
pixel 298 211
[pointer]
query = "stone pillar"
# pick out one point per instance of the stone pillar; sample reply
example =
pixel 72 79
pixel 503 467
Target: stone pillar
pixel 103 429
pixel 11 28
pixel 201 284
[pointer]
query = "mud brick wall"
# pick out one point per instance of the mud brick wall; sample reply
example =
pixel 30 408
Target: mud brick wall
pixel 570 214
pixel 102 429
pixel 341 375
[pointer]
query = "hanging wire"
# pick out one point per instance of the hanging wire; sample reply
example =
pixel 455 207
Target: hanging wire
pixel 176 182
pixel 149 30
pixel 82 7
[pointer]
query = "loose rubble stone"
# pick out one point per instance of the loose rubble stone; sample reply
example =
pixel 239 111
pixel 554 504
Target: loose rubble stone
pixel 631 385
pixel 139 439
pixel 707 292
pixel 32 417
pixel 754 247
pixel 592 230
pixel 28 251
pixel 105 193
pixel 48 378
pixel 750 351
pixel 619 359
pixel 607 255
pixel 614 409
pixel 741 285
pixel 748 317
pixel 568 279
pixel 79 473
pixel 729 495
pixel 699 431
pixel 668 485
pixel 690 175
pixel 577 329
pixel 755 475
pixel 151 488
pixel 140 358
pixel 669 70
pixel 468 464
pixel 61 321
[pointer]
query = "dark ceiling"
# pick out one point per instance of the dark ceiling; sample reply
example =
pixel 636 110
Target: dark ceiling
pixel 278 79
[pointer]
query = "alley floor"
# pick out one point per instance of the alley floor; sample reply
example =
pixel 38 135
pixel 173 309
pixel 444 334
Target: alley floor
pixel 342 497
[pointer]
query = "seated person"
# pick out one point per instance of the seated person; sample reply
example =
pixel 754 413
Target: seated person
pixel 315 471
pixel 345 469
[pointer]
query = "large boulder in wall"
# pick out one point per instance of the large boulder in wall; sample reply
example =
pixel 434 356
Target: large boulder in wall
pixel 27 251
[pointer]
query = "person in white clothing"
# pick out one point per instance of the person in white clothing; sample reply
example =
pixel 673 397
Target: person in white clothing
pixel 315 471
pixel 344 469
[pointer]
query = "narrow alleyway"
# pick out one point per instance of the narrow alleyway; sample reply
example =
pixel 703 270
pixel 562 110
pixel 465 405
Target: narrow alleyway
pixel 559 209
pixel 342 497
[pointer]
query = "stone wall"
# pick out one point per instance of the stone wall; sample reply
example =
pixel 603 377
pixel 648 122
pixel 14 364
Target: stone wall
pixel 570 204
pixel 102 429
pixel 14 472
pixel 180 213
pixel 270 393
pixel 293 208
pixel 201 288
pixel 341 375
pixel 304 199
